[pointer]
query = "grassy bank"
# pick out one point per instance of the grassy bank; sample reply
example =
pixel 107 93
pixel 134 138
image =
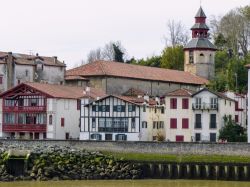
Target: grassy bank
pixel 149 157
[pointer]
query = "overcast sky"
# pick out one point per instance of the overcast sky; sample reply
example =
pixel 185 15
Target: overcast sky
pixel 69 29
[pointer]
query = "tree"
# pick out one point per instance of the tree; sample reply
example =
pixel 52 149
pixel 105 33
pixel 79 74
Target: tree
pixel 232 132
pixel 173 58
pixel 112 51
pixel 153 61
pixel 177 34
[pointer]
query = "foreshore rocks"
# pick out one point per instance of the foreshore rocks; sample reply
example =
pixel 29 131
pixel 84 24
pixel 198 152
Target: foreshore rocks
pixel 65 163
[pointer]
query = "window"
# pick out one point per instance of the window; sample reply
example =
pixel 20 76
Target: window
pixel 155 110
pixel 173 103
pixel 213 103
pixel 144 124
pixel 133 123
pixel 33 102
pixel 236 118
pixel 94 108
pixel 197 121
pixel 185 123
pixel 154 124
pixel 96 137
pixel 144 108
pixel 26 73
pixel 212 137
pixel 154 138
pixel 62 122
pixel 197 137
pixel 201 54
pixel 119 108
pixel 78 104
pixel 236 105
pixel 18 81
pixel 179 138
pixel 173 123
pixel 104 108
pixel 50 119
pixel 198 103
pixel 185 103
pixel 162 110
pixel 1 79
pixel 93 123
pixel 161 125
pixel 191 57
pixel 212 121
pixel 131 108
pixel 44 135
pixel 121 137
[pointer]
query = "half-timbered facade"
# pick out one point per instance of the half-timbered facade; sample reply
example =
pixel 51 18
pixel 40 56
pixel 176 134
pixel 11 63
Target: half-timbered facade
pixel 120 118
pixel 40 111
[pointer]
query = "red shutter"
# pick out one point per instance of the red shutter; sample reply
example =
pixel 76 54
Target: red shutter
pixel 236 118
pixel 185 123
pixel 62 122
pixel 179 138
pixel 185 103
pixel 173 103
pixel 173 123
pixel 78 104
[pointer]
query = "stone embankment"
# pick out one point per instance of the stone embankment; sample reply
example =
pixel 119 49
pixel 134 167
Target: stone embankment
pixel 65 163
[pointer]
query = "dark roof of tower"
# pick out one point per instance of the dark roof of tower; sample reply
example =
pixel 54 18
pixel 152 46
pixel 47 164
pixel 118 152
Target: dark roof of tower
pixel 203 43
pixel 200 13
pixel 200 26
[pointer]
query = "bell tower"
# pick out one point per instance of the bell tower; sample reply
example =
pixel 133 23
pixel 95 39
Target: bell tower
pixel 199 51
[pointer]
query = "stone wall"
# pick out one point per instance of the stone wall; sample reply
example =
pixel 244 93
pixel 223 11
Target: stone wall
pixel 241 149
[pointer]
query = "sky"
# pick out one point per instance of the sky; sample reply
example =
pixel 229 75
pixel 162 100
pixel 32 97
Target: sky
pixel 69 29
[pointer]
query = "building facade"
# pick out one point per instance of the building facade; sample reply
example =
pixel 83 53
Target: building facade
pixel 179 121
pixel 121 118
pixel 209 109
pixel 199 51
pixel 42 111
pixel 16 68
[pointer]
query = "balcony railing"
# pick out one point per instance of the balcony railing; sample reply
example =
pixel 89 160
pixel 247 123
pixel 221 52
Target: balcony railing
pixel 24 108
pixel 24 128
pixel 205 106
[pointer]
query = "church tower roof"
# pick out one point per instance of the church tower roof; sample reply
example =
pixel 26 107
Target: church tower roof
pixel 200 13
pixel 200 35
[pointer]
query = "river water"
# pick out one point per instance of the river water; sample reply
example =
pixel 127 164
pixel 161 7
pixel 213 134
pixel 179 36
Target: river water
pixel 127 183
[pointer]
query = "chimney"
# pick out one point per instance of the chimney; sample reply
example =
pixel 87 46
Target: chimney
pixel 10 70
pixel 55 59
pixel 146 97
pixel 87 89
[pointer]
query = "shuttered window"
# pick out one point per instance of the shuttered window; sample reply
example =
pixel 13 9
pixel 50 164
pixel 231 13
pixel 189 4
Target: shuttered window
pixel 173 123
pixel 185 123
pixel 173 103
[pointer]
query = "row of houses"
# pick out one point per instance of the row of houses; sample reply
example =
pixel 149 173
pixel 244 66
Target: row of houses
pixel 45 111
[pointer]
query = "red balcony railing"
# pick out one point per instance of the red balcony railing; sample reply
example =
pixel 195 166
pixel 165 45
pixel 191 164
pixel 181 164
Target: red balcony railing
pixel 24 128
pixel 24 108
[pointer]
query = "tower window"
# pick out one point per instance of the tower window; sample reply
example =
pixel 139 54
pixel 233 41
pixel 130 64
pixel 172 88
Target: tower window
pixel 201 54
pixel 191 57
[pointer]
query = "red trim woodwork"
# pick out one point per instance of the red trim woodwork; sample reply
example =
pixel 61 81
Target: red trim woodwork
pixel 24 128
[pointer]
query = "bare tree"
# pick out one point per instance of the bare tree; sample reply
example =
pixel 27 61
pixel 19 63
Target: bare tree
pixel 109 52
pixel 177 34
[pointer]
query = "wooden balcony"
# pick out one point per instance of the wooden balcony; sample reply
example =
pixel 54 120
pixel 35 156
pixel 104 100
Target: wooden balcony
pixel 24 108
pixel 24 128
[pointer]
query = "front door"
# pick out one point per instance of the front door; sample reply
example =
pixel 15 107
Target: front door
pixel 36 136
pixel 108 137
pixel 66 135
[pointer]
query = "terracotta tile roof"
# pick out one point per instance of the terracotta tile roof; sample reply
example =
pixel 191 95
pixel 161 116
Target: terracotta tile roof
pixel 73 77
pixel 116 69
pixel 26 59
pixel 134 92
pixel 181 92
pixel 219 94
pixel 61 91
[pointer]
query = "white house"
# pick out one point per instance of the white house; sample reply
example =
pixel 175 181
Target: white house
pixel 179 121
pixel 240 115
pixel 42 111
pixel 209 108
pixel 122 118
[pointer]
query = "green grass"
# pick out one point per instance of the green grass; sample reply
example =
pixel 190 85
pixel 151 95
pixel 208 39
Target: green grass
pixel 149 157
